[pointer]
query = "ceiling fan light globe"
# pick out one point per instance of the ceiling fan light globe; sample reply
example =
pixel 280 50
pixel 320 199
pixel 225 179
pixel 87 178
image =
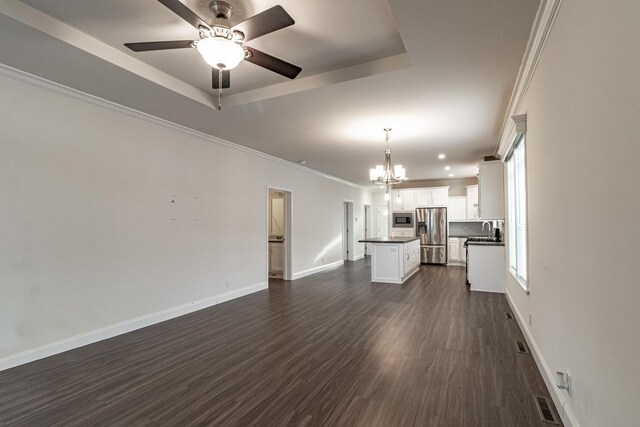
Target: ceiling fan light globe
pixel 220 53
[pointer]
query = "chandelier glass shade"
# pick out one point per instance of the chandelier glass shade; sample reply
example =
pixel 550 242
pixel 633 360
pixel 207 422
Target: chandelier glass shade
pixel 386 174
pixel 220 52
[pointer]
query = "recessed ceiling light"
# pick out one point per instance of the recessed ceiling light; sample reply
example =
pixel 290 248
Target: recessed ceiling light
pixel 302 162
pixel 441 156
pixel 447 168
pixel 451 175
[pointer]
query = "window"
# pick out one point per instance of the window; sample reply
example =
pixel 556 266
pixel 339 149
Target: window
pixel 517 211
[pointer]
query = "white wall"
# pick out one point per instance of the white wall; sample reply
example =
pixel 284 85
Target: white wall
pixel 90 237
pixel 583 174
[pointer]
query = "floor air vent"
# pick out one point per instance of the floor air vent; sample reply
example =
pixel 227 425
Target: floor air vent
pixel 509 316
pixel 522 347
pixel 547 414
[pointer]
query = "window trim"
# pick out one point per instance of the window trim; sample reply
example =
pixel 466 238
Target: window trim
pixel 518 139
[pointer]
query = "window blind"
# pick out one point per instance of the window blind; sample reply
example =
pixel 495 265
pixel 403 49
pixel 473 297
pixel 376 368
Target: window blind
pixel 517 211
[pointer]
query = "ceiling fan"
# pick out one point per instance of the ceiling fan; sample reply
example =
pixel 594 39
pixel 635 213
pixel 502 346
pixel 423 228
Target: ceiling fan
pixel 221 44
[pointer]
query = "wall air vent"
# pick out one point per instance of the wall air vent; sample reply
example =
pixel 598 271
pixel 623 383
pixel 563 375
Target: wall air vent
pixel 522 347
pixel 547 414
pixel 509 316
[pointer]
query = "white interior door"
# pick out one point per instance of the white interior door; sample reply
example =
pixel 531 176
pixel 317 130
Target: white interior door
pixel 347 234
pixel 367 227
pixel 382 221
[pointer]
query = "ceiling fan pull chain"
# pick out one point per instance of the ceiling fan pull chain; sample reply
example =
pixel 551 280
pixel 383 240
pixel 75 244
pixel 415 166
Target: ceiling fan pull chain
pixel 220 89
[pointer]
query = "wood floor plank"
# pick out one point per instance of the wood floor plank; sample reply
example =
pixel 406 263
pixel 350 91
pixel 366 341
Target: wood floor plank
pixel 330 349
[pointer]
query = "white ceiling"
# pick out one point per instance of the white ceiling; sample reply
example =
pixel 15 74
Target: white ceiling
pixel 439 72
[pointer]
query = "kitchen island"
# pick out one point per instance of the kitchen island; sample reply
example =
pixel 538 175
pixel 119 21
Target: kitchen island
pixel 393 259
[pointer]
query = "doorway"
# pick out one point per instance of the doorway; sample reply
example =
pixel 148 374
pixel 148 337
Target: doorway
pixel 347 231
pixel 367 227
pixel 382 221
pixel 278 234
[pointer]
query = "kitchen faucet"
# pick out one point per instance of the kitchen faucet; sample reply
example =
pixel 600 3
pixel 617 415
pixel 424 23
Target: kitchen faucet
pixel 487 223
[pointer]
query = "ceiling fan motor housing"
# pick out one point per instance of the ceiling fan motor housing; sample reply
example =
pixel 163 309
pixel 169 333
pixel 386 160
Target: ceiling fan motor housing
pixel 221 9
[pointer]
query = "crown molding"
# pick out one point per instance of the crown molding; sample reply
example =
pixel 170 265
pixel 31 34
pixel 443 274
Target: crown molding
pixel 40 83
pixel 540 31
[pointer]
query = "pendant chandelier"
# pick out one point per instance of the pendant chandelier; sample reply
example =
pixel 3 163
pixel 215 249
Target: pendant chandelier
pixel 385 174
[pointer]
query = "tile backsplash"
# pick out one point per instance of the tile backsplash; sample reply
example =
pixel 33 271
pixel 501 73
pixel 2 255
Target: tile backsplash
pixel 472 228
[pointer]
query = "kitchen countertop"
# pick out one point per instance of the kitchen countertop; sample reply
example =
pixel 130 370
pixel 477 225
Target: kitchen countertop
pixel 485 243
pixel 467 236
pixel 275 241
pixel 389 239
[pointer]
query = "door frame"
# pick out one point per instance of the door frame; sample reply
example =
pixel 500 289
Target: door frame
pixel 348 231
pixel 367 227
pixel 287 232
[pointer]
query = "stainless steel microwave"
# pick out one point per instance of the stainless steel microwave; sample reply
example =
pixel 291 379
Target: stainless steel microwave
pixel 404 220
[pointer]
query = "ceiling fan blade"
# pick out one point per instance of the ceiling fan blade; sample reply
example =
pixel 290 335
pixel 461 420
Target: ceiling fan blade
pixel 145 46
pixel 264 23
pixel 226 78
pixel 272 63
pixel 185 13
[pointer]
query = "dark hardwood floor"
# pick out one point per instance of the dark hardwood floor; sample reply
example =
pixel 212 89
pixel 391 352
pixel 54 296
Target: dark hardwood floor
pixel 330 349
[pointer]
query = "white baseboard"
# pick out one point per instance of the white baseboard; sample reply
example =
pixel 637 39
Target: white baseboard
pixel 122 327
pixel 564 410
pixel 357 257
pixel 314 270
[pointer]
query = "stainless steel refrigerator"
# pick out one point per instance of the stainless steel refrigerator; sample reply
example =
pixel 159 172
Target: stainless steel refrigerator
pixel 431 228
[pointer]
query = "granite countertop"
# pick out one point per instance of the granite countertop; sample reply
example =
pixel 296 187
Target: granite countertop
pixel 389 239
pixel 467 236
pixel 485 243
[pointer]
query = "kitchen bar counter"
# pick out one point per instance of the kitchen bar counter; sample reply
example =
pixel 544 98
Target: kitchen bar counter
pixel 393 259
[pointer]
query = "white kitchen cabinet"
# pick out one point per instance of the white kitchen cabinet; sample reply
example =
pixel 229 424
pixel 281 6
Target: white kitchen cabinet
pixel 276 258
pixel 457 208
pixel 491 190
pixel 411 256
pixel 440 196
pixel 433 196
pixel 457 251
pixel 472 202
pixel 454 249
pixel 407 200
pixel 395 204
pixel 486 268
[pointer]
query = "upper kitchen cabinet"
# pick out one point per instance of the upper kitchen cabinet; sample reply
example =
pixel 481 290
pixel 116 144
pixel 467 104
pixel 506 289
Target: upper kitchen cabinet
pixel 457 208
pixel 472 202
pixel 491 190
pixel 433 196
pixel 407 200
